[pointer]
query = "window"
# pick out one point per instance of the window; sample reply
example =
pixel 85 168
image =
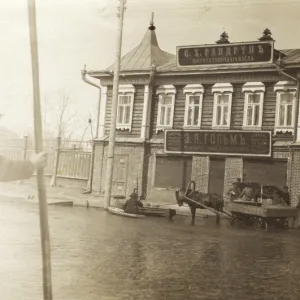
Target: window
pixel 166 101
pixel 286 109
pixel 222 114
pixel 193 105
pixel 222 105
pixel 285 104
pixel 253 108
pixel 125 107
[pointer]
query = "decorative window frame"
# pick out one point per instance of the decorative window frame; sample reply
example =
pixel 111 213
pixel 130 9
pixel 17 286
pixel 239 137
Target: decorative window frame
pixel 280 88
pixel 165 90
pixel 126 90
pixel 250 88
pixel 193 90
pixel 222 89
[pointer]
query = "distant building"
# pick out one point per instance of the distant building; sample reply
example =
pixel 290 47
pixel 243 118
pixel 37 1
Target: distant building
pixel 226 94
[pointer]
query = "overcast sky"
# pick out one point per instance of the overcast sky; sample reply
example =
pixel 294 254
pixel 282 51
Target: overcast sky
pixel 76 32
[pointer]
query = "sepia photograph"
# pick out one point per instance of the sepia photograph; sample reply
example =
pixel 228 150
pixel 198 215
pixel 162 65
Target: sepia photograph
pixel 150 150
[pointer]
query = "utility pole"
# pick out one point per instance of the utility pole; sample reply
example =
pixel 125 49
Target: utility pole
pixel 112 135
pixel 44 226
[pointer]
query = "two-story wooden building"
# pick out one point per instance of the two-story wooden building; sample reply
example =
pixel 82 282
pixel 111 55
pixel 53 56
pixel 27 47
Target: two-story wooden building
pixel 226 97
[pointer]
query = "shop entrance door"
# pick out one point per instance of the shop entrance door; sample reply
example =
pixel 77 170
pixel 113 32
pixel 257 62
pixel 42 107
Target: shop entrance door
pixel 119 181
pixel 216 176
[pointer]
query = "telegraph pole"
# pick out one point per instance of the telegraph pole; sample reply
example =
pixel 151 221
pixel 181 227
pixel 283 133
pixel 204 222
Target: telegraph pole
pixel 112 135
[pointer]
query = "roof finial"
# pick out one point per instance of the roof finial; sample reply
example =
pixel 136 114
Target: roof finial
pixel 267 35
pixel 152 27
pixel 224 38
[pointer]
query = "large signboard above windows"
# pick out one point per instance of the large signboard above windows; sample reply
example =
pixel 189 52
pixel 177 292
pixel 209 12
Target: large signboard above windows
pixel 213 142
pixel 223 54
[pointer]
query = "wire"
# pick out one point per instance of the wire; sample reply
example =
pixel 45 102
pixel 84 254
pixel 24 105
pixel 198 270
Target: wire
pixel 192 5
pixel 162 8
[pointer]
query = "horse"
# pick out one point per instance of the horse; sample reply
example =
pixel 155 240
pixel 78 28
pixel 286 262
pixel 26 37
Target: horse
pixel 210 200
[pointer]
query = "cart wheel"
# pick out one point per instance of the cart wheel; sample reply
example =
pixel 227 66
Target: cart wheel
pixel 264 224
pixel 285 223
pixel 261 223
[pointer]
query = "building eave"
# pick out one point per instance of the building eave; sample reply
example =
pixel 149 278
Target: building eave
pixel 106 74
pixel 205 72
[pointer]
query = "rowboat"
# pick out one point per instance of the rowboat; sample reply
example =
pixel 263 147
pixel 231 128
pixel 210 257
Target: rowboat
pixel 120 212
pixel 147 209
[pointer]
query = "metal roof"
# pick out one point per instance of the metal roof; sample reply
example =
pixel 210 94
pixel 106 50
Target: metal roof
pixel 142 57
pixel 292 56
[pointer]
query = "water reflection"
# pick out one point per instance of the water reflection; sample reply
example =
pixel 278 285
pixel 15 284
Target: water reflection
pixel 96 255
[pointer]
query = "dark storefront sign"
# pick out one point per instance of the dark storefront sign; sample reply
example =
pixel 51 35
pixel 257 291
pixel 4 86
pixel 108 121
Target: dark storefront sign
pixel 236 53
pixel 211 142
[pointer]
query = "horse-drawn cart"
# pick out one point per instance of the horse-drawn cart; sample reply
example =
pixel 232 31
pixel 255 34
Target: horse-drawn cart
pixel 260 215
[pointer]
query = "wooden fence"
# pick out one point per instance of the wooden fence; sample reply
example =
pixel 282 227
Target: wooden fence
pixel 65 160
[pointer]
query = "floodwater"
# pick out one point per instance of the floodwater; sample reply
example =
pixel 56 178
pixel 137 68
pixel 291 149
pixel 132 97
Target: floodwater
pixel 96 255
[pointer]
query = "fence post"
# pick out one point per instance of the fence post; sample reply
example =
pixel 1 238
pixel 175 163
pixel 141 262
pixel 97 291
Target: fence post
pixel 24 152
pixel 25 147
pixel 54 175
pixel 89 187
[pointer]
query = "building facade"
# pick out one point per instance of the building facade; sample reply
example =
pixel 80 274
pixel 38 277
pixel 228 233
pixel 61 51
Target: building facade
pixel 197 90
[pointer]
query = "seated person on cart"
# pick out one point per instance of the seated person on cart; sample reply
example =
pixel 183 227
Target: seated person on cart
pixel 234 192
pixel 247 193
pixel 239 185
pixel 280 199
pixel 132 205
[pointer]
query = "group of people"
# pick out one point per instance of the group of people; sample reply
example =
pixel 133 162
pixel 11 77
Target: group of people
pixel 245 191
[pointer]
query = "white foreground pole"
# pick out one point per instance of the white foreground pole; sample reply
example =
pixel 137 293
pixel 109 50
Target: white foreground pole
pixel 44 227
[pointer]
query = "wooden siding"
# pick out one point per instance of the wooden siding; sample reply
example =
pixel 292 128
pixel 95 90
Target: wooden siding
pixel 179 107
pixel 237 108
pixel 153 117
pixel 207 108
pixel 269 109
pixel 108 109
pixel 137 114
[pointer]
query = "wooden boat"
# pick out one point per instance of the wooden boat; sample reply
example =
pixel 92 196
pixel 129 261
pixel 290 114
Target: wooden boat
pixel 152 211
pixel 120 212
pixel 147 209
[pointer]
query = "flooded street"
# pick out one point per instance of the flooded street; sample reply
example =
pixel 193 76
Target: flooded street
pixel 97 255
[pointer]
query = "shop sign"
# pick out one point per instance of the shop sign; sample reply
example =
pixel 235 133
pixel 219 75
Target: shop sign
pixel 225 143
pixel 233 53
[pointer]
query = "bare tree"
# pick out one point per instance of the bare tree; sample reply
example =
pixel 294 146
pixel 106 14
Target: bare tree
pixel 64 120
pixel 58 117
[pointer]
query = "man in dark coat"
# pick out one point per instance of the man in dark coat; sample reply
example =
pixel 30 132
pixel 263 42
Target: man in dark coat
pixel 11 170
pixel 132 205
pixel 286 196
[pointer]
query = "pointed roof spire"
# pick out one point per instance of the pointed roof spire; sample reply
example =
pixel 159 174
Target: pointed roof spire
pixel 147 54
pixel 152 27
